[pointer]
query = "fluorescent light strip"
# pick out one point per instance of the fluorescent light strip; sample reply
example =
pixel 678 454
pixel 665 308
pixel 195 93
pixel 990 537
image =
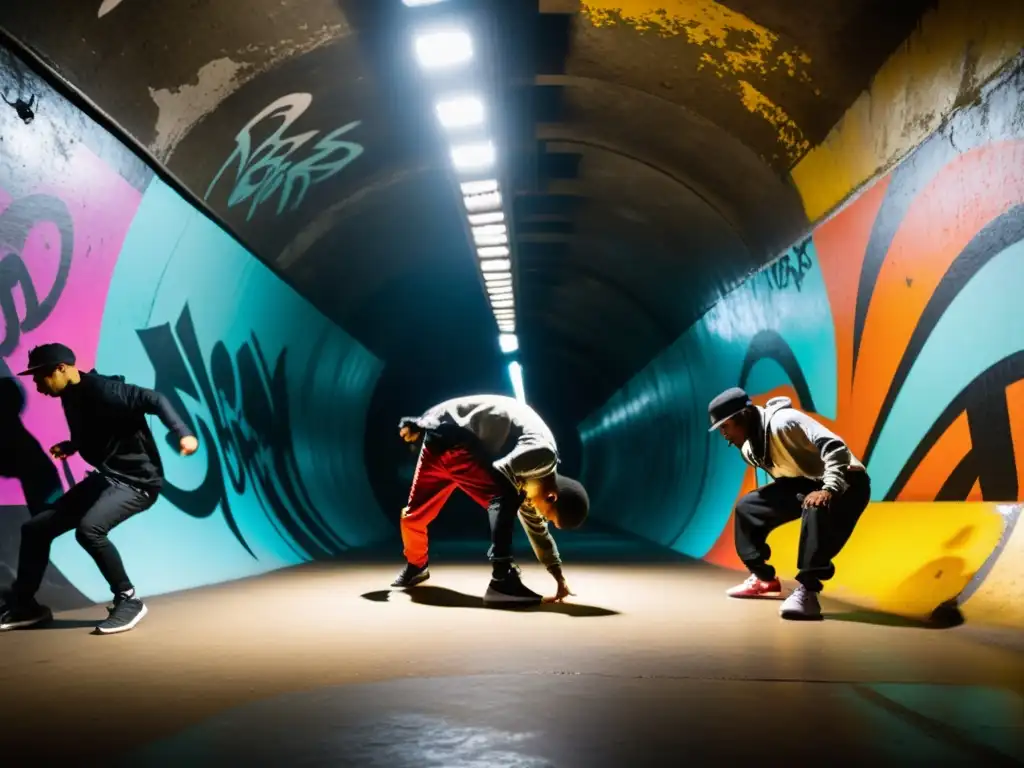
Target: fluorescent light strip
pixel 496 265
pixel 515 372
pixel 418 3
pixel 479 187
pixel 508 343
pixel 473 157
pixel 443 48
pixel 487 201
pixel 492 251
pixel 491 229
pixel 490 240
pixel 502 303
pixel 476 219
pixel 460 112
pixel 497 278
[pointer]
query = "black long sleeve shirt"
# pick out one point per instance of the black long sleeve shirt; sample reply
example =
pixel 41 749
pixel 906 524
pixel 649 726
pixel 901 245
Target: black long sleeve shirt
pixel 107 421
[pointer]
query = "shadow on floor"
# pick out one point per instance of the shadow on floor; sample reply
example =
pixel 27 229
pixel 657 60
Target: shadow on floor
pixel 65 624
pixel 443 597
pixel 943 618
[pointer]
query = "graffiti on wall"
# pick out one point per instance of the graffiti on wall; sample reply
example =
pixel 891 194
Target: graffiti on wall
pixel 17 222
pixel 103 257
pixel 249 425
pixel 276 166
pixel 896 324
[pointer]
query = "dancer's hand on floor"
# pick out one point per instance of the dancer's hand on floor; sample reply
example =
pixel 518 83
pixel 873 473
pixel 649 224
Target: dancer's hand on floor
pixel 188 445
pixel 563 592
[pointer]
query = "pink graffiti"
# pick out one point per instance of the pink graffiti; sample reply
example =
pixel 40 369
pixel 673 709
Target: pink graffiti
pixel 102 206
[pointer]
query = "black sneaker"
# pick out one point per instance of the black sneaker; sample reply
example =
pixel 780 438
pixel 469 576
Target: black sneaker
pixel 124 615
pixel 412 575
pixel 20 615
pixel 510 590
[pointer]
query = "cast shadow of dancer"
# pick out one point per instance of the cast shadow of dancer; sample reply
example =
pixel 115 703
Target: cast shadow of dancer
pixel 443 597
pixel 25 460
pixel 21 455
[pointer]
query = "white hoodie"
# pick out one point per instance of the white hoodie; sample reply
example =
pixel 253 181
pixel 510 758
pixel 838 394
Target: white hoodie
pixel 799 446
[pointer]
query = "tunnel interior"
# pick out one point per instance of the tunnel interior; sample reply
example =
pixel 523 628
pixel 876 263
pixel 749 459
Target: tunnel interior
pixel 260 216
pixel 263 213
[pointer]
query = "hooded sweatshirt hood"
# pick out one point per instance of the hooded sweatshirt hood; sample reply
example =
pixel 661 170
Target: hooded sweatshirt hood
pixel 793 444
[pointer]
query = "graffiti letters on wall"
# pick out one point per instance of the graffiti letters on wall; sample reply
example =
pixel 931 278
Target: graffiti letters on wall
pixel 279 166
pixel 249 424
pixel 897 324
pixel 107 265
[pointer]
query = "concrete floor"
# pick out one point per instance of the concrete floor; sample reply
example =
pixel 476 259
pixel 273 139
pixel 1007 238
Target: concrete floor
pixel 650 665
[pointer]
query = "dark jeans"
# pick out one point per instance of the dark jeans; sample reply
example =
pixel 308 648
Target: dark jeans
pixel 824 531
pixel 92 508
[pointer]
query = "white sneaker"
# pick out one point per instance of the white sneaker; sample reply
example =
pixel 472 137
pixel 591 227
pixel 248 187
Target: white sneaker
pixel 801 604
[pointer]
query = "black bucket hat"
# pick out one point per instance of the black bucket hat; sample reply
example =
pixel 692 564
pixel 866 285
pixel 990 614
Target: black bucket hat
pixel 728 404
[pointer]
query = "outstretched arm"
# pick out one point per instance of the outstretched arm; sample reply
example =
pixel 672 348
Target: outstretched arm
pixel 142 400
pixel 544 546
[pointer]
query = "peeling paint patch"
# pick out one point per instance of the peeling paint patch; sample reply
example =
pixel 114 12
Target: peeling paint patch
pixel 789 133
pixel 183 107
pixel 180 109
pixel 106 7
pixel 733 43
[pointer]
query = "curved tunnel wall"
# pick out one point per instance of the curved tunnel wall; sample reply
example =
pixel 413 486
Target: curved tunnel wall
pixel 99 253
pixel 897 323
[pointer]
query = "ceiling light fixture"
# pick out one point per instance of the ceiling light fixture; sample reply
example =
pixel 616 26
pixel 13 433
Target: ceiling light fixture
pixel 484 202
pixel 478 187
pixel 443 48
pixel 508 343
pixel 496 265
pixel 473 157
pixel 460 112
pixel 496 217
pixel 491 251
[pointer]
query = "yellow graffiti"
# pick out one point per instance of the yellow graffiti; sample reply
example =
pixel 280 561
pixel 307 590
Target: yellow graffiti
pixel 738 44
pixel 788 131
pixel 956 48
pixel 732 45
pixel 905 558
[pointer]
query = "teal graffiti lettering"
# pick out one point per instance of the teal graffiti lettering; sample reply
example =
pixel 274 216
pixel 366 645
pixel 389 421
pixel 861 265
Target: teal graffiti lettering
pixel 271 168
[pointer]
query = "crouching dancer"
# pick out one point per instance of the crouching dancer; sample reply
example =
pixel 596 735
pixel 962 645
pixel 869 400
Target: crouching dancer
pixel 107 425
pixel 500 453
pixel 816 480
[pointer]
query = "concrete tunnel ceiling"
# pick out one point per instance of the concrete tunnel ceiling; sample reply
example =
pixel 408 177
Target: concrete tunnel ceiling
pixel 646 146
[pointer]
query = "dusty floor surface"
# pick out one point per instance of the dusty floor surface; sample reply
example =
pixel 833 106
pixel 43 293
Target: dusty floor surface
pixel 649 665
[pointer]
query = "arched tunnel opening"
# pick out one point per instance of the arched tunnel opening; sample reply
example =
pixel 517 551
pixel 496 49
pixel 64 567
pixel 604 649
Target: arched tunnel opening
pixel 286 225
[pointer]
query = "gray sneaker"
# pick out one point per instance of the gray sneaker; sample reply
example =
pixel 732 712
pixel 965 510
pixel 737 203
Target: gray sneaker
pixel 23 614
pixel 802 604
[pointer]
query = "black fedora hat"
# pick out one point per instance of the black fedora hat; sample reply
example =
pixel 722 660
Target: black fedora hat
pixel 728 404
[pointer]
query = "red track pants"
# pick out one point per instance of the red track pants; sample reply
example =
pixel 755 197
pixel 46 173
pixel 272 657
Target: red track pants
pixel 438 474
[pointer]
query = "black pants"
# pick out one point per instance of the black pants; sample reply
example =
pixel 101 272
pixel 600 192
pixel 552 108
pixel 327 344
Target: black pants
pixel 824 531
pixel 92 508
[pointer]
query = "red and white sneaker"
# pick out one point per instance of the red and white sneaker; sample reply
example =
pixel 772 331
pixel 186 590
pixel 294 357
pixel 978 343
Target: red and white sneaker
pixel 753 587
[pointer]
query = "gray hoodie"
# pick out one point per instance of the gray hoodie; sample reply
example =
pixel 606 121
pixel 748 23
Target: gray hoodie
pixel 497 421
pixel 798 446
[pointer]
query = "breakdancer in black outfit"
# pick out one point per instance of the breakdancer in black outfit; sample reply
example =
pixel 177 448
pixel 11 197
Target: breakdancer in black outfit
pixel 107 424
